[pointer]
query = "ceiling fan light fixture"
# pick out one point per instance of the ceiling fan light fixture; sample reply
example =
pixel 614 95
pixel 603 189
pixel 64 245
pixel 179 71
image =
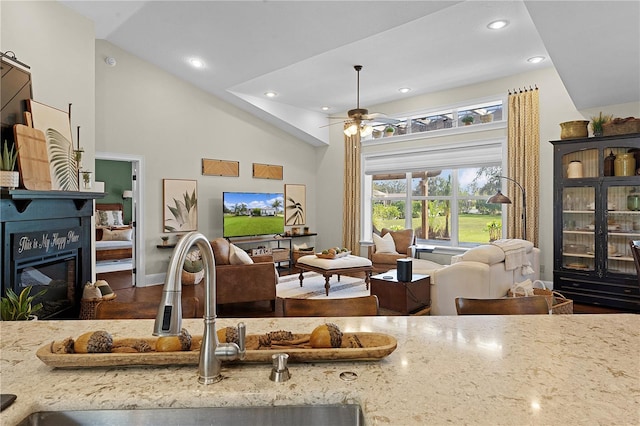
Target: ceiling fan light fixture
pixel 351 130
pixel 365 131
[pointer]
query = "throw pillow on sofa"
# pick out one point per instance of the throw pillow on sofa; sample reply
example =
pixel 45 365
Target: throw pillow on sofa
pixel 237 256
pixel 384 244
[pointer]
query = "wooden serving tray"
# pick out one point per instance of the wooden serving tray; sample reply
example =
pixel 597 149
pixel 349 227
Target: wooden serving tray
pixel 375 347
pixel 333 256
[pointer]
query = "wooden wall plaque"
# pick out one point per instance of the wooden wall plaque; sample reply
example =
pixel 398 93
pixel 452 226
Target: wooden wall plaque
pixel 267 171
pixel 220 168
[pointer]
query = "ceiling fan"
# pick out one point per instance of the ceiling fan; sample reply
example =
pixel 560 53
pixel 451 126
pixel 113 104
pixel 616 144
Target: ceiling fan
pixel 358 115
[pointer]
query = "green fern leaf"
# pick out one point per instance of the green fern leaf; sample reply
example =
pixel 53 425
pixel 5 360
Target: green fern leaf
pixel 62 160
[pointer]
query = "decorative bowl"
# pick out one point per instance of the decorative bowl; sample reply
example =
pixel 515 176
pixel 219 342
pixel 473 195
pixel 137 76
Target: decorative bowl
pixel 574 129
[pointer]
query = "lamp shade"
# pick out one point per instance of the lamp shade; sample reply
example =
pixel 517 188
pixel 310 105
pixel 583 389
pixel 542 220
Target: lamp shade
pixel 499 198
pixel 127 194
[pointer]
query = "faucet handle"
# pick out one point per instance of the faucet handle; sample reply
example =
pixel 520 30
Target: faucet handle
pixel 242 332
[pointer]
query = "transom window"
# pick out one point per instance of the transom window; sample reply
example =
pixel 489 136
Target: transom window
pixel 467 115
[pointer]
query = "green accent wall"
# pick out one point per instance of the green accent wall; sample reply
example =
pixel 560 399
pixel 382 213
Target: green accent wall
pixel 116 176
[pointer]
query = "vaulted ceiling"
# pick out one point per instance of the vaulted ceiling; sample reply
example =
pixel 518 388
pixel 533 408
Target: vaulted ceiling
pixel 305 50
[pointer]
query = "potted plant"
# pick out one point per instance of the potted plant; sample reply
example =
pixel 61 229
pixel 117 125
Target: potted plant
pixel 19 308
pixel 495 230
pixel 164 239
pixel 86 179
pixel 193 268
pixel 389 131
pixel 467 120
pixel 598 121
pixel 8 177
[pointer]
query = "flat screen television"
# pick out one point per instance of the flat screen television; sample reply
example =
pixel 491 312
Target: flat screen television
pixel 252 213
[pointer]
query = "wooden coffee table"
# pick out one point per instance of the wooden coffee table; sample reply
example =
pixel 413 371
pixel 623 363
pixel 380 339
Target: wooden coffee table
pixel 406 297
pixel 342 266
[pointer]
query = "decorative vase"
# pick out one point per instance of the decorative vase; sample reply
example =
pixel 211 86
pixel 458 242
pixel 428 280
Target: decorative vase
pixel 633 202
pixel 609 163
pixel 9 179
pixel 574 171
pixel 486 118
pixel 625 165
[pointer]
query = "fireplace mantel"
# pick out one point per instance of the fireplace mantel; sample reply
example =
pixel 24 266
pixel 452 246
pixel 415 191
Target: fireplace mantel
pixel 33 215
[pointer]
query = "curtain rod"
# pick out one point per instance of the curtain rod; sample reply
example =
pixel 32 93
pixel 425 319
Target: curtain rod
pixel 520 90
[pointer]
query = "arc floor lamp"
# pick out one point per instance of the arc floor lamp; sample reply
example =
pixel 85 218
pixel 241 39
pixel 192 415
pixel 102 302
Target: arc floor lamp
pixel 500 198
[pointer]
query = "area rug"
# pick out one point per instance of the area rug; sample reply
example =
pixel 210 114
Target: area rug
pixel 313 287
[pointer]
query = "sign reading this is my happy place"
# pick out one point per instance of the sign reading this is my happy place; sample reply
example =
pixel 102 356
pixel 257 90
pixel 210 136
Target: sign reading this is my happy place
pixel 30 244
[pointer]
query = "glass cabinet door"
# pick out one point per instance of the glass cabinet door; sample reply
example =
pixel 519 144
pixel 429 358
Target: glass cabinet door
pixel 578 228
pixel 623 225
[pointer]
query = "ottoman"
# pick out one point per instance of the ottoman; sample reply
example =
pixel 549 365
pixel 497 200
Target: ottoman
pixel 328 267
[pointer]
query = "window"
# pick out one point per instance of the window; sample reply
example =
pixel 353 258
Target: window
pixel 479 113
pixel 444 207
pixel 438 181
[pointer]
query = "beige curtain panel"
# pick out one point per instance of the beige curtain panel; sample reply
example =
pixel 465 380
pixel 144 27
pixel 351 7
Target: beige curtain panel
pixel 523 148
pixel 351 200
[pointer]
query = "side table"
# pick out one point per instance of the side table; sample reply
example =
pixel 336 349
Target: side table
pixel 405 297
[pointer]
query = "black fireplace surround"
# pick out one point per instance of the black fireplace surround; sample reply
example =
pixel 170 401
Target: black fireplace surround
pixel 46 243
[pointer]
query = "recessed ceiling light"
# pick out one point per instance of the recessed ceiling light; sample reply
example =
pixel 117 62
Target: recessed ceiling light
pixel 404 89
pixel 536 59
pixel 325 108
pixel 498 25
pixel 270 94
pixel 196 63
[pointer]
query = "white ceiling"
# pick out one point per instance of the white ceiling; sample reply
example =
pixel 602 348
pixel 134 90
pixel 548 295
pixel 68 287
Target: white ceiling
pixel 305 50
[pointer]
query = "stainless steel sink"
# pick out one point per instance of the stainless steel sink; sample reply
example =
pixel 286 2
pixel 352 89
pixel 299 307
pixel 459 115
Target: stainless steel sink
pixel 307 415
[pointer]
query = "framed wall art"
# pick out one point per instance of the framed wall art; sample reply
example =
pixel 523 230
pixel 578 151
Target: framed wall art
pixel 295 204
pixel 180 205
pixel 56 126
pixel 220 168
pixel 267 171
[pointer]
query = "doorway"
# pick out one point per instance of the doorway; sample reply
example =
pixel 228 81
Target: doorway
pixel 129 193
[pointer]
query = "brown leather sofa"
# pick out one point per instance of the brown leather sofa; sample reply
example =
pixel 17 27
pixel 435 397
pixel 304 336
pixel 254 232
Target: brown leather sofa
pixel 243 283
pixel 403 240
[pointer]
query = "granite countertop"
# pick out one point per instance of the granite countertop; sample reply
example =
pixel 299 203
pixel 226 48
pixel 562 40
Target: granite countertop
pixel 559 369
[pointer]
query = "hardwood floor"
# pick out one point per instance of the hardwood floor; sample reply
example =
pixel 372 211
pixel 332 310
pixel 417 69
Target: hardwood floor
pixel 120 282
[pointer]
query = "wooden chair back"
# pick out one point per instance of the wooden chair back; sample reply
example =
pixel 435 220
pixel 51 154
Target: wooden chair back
pixel 506 306
pixel 349 307
pixel 635 251
pixel 142 310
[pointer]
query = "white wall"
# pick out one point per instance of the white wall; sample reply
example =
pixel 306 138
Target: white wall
pixel 555 107
pixel 145 111
pixel 58 45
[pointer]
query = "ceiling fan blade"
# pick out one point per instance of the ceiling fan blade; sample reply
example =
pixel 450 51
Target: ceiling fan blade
pixel 381 118
pixel 331 124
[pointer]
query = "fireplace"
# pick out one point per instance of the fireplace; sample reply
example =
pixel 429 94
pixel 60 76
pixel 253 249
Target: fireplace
pixel 46 244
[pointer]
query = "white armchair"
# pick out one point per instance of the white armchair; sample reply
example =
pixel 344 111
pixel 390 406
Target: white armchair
pixel 480 273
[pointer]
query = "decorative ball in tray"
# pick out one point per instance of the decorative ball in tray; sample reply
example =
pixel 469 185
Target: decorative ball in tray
pixel 333 253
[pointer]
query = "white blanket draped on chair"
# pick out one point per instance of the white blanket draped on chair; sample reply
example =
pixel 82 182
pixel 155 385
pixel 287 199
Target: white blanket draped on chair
pixel 515 255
